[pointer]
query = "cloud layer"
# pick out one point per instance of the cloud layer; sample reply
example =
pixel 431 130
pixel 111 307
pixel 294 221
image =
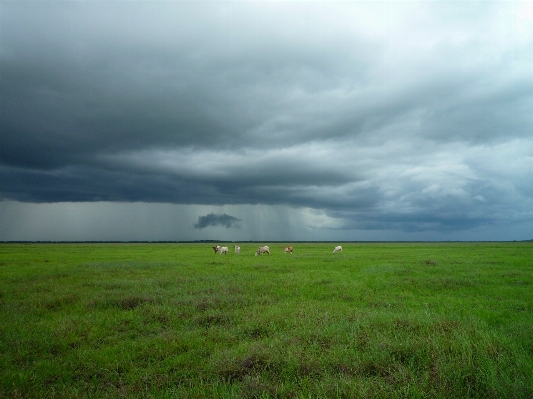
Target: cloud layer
pixel 382 116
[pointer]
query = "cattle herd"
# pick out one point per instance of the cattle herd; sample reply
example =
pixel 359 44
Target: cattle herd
pixel 261 250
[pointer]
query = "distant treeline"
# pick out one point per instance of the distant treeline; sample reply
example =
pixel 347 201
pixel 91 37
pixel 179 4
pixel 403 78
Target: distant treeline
pixel 237 241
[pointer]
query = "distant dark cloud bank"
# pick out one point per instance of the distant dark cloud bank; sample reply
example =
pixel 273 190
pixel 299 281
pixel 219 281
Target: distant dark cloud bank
pixel 217 220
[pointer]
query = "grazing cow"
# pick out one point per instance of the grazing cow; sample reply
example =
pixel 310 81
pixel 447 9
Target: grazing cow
pixel 287 249
pixel 216 249
pixel 338 248
pixel 262 250
pixel 237 249
pixel 223 250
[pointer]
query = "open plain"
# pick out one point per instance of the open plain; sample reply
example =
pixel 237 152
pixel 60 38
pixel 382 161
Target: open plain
pixel 377 320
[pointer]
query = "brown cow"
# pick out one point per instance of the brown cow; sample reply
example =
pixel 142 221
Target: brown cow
pixel 287 249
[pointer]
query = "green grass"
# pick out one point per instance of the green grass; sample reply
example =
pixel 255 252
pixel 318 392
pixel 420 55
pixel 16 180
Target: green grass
pixel 392 320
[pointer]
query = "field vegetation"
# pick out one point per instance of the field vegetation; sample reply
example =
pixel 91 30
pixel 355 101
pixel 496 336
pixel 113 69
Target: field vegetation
pixel 379 320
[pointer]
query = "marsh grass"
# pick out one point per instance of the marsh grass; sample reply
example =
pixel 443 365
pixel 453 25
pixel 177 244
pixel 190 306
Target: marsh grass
pixel 176 320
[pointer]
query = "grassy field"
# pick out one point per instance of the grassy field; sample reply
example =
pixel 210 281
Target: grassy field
pixel 398 320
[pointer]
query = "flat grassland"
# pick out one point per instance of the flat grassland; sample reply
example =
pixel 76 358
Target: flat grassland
pixel 379 320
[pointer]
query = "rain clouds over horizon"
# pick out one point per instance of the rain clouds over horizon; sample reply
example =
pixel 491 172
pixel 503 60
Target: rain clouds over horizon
pixel 392 120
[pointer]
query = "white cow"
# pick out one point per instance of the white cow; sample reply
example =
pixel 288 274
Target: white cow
pixel 223 250
pixel 237 249
pixel 216 248
pixel 262 250
pixel 338 248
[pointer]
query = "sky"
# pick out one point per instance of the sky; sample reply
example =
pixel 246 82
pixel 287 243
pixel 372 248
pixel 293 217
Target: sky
pixel 266 120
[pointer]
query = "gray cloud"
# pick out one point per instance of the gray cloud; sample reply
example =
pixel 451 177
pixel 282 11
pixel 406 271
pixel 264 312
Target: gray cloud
pixel 211 220
pixel 388 116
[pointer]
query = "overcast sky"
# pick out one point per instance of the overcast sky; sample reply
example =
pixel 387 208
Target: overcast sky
pixel 178 120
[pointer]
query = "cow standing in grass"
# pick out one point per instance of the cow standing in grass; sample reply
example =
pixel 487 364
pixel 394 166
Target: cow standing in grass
pixel 287 249
pixel 223 250
pixel 338 248
pixel 262 250
pixel 216 248
pixel 237 249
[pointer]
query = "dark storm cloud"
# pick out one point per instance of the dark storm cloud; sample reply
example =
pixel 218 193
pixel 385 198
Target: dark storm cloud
pixel 385 115
pixel 217 220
